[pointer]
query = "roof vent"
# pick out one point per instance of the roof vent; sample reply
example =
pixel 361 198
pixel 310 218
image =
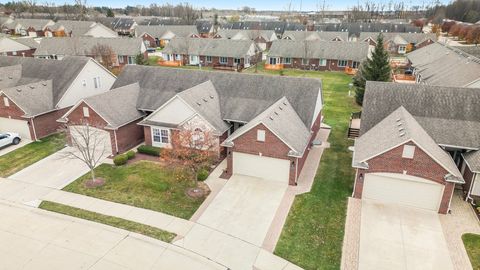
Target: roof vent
pixel 280 107
pixel 19 90
pixel 285 103
pixel 401 134
pixel 10 77
pixel 199 104
pixel 276 113
pixel 44 84
pixel 205 100
pixel 211 96
pixel 271 118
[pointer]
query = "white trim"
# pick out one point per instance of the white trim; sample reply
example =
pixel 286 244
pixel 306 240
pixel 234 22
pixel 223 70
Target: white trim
pixel 65 116
pixel 466 162
pixel 34 131
pixel 459 147
pixel 116 141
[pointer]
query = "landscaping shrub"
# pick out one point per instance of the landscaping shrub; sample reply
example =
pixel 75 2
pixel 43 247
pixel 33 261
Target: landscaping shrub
pixel 149 150
pixel 131 154
pixel 202 175
pixel 120 160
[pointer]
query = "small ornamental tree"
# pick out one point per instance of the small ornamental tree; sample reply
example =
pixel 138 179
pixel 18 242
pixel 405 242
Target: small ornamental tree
pixel 104 54
pixel 193 149
pixel 375 68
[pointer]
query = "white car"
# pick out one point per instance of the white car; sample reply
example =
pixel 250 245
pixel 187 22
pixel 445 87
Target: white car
pixel 9 138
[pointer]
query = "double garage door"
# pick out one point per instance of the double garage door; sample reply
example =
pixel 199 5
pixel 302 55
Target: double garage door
pixel 403 189
pixel 261 167
pixel 17 126
pixel 99 139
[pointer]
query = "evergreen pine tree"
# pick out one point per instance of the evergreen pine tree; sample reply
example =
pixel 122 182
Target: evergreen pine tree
pixel 376 68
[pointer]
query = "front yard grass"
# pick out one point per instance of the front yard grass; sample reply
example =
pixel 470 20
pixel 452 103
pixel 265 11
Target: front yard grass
pixel 25 156
pixel 472 245
pixel 142 184
pixel 108 220
pixel 313 234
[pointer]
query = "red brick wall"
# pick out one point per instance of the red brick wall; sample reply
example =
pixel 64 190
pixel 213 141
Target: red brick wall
pixel 332 64
pixel 423 44
pixel 221 139
pixel 422 165
pixel 129 136
pixel 468 177
pixel 151 41
pixel 46 124
pixel 147 135
pixel 14 112
pixel 26 53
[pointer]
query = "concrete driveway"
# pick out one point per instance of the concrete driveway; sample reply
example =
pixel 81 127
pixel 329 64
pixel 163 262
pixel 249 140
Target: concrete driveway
pixel 245 208
pixel 55 171
pixel 38 239
pixel 10 148
pixel 398 237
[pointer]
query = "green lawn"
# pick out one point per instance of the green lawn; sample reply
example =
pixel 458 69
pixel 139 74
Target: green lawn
pixel 313 234
pixel 27 155
pixel 472 245
pixel 143 184
pixel 109 220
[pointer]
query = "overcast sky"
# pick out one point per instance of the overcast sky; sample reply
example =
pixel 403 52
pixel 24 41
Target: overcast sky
pixel 307 5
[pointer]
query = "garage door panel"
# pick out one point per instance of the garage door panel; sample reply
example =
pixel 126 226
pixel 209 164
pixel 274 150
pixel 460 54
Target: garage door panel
pixel 13 125
pixel 262 167
pixel 99 138
pixel 403 190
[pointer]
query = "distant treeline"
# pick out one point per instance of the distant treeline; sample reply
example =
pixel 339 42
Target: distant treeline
pixel 459 10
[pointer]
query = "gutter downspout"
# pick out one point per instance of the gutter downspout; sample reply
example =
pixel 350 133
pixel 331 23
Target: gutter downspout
pixel 474 178
pixel 451 196
pixel 116 142
pixel 296 172
pixel 355 183
pixel 34 131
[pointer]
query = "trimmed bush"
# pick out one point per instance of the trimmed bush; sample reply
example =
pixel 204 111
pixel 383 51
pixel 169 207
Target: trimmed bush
pixel 131 154
pixel 120 160
pixel 149 150
pixel 202 175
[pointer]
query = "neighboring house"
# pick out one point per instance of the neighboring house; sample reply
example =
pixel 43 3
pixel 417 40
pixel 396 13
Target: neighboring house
pixel 204 28
pixel 124 50
pixel 67 28
pixel 34 93
pixel 438 64
pixel 315 35
pixel 417 142
pixel 160 35
pixel 263 38
pixel 112 115
pixel 264 125
pixel 122 25
pixel 472 50
pixel 24 47
pixel 27 27
pixel 221 53
pixel 399 43
pixel 318 55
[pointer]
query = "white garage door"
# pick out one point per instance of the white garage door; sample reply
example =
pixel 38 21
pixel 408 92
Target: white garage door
pixel 403 189
pixel 99 139
pixel 262 167
pixel 17 126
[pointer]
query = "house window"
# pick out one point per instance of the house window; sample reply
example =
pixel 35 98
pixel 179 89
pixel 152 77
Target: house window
pixel 287 60
pixel 223 60
pixel 131 60
pixel 178 57
pixel 322 62
pixel 14 53
pixel 272 61
pixel 96 82
pixel 402 49
pixel 261 135
pixel 86 112
pixel 236 61
pixel 342 63
pixel 197 136
pixel 120 59
pixel 160 135
pixel 355 64
pixel 305 61
pixel 6 102
pixel 408 151
pixel 209 59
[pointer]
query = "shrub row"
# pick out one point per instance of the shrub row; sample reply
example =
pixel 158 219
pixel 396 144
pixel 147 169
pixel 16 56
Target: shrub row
pixel 123 158
pixel 149 150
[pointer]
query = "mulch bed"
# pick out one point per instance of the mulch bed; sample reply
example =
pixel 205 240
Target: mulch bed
pixel 140 157
pixel 201 192
pixel 93 184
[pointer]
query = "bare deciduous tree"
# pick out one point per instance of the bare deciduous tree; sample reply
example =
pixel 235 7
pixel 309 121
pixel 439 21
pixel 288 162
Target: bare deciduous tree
pixel 31 5
pixel 104 54
pixel 88 145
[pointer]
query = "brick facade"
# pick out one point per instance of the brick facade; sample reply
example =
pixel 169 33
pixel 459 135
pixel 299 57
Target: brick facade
pixel 331 65
pixel 124 137
pixel 468 176
pixel 422 165
pixel 24 53
pixel 149 40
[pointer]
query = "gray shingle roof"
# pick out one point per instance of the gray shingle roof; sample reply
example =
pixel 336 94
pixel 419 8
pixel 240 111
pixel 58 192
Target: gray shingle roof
pixel 315 35
pixel 37 24
pixel 473 160
pixel 204 99
pixel 399 38
pixel 78 28
pixel 450 115
pixel 396 129
pixel 157 31
pixel 242 96
pixel 267 35
pixel 209 46
pixel 117 106
pixel 82 46
pixel 445 66
pixel 34 98
pixel 42 69
pixel 357 51
pixel 30 42
pixel 282 119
